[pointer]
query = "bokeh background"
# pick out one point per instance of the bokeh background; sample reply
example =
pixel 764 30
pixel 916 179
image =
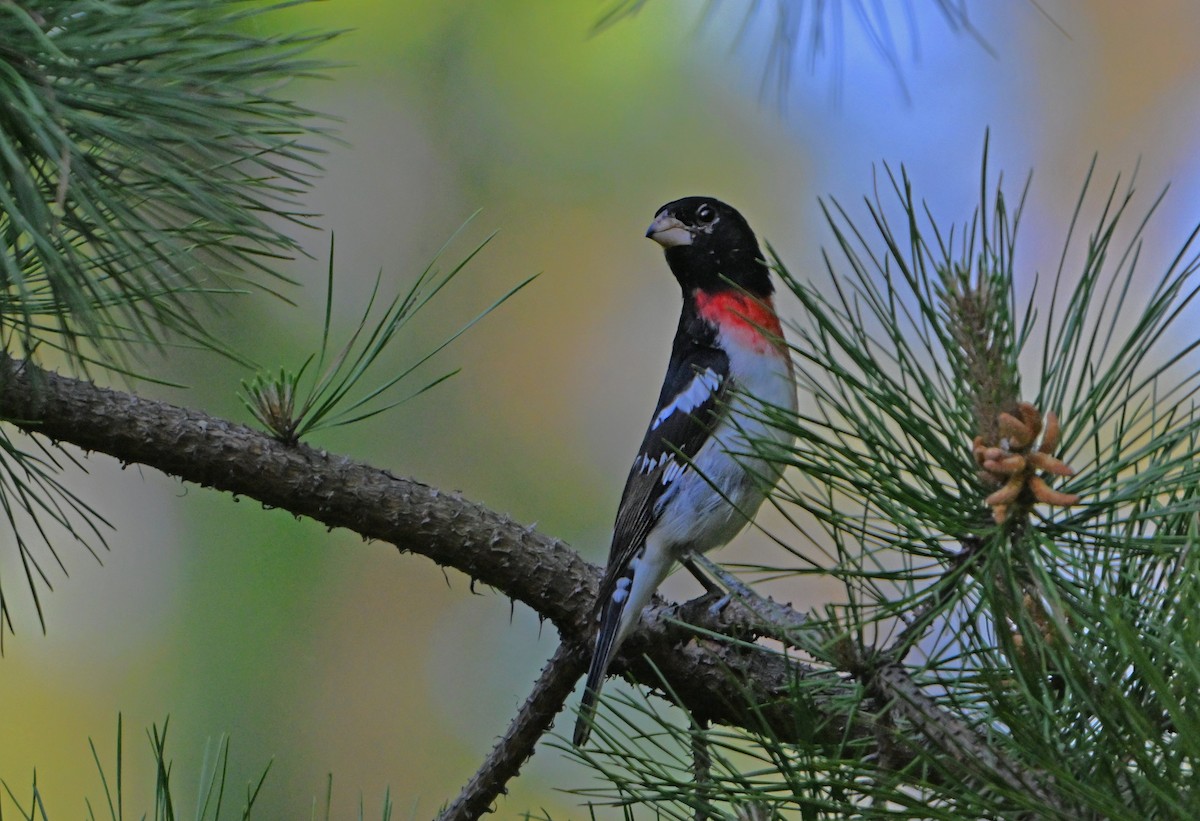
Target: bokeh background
pixel 322 654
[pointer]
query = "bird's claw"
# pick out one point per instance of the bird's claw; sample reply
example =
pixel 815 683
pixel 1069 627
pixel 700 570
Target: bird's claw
pixel 719 605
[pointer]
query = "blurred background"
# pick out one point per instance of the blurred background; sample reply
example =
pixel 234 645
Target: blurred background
pixel 321 654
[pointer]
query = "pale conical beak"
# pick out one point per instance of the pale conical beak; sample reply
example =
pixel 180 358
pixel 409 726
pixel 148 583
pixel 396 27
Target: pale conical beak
pixel 668 231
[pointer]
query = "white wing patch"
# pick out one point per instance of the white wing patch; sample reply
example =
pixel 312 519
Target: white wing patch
pixel 703 385
pixel 646 464
pixel 672 469
pixel 673 472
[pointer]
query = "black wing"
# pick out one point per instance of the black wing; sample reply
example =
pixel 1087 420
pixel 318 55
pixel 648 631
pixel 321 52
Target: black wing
pixel 688 406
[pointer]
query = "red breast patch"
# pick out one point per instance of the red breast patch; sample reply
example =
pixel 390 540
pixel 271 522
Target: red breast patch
pixel 752 321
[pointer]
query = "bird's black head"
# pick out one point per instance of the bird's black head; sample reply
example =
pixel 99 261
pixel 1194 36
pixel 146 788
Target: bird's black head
pixel 708 244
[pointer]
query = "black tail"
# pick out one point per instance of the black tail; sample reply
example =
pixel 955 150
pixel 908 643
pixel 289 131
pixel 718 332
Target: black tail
pixel 606 647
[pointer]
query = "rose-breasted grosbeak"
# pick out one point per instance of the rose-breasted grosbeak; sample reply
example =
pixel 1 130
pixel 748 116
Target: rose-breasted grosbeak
pixel 696 480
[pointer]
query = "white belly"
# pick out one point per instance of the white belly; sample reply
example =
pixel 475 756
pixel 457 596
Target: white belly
pixel 719 495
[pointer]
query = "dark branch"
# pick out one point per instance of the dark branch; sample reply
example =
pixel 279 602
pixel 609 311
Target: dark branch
pixel 893 685
pixel 701 772
pixel 715 680
pixel 712 679
pixel 516 745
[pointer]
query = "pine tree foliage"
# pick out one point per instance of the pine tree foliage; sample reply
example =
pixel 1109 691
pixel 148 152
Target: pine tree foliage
pixel 1032 656
pixel 147 155
pixel 150 162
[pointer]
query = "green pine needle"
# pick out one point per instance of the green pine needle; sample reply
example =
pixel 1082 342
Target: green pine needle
pixel 148 159
pixel 333 392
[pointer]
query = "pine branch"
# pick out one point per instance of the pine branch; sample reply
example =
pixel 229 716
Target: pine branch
pixel 521 563
pixel 717 681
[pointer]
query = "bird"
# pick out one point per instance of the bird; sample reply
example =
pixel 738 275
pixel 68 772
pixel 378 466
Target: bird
pixel 697 479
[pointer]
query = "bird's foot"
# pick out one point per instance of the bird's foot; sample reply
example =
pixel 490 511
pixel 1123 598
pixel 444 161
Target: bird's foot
pixel 719 605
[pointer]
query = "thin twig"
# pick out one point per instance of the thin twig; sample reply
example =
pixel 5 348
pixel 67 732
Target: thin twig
pixel 515 747
pixel 892 684
pixel 701 769
pixel 921 620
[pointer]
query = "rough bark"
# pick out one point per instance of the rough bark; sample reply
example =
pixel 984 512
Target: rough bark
pixel 715 680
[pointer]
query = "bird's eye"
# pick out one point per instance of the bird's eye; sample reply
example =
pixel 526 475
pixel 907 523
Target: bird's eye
pixel 705 213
